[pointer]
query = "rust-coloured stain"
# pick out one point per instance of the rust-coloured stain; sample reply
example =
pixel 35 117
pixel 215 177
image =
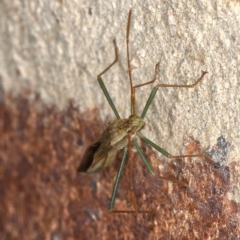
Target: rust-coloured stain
pixel 42 197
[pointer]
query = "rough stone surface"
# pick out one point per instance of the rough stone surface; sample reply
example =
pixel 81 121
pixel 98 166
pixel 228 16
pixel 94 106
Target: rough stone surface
pixel 57 48
pixel 42 197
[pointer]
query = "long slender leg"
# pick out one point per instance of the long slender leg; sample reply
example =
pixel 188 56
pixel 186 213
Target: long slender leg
pixel 144 159
pixel 154 91
pixel 140 85
pixel 150 82
pixel 131 181
pixel 115 187
pixel 132 194
pixel 147 163
pixel 102 85
pixel 165 153
pixel 127 151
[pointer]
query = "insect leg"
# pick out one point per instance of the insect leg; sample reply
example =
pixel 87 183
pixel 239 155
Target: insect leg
pixel 154 91
pixel 132 194
pixel 115 187
pixel 165 153
pixel 102 85
pixel 140 85
pixel 127 151
pixel 144 159
pixel 150 82
pixel 131 182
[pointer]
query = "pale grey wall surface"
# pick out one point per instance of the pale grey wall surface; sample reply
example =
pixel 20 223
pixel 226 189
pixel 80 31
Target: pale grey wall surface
pixel 59 47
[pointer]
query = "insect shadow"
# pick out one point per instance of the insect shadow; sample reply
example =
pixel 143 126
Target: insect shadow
pixel 121 133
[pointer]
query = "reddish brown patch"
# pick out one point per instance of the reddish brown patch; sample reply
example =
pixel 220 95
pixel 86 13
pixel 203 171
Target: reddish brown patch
pixel 43 197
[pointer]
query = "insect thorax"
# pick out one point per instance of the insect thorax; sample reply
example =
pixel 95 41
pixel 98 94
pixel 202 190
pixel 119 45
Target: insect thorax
pixel 117 131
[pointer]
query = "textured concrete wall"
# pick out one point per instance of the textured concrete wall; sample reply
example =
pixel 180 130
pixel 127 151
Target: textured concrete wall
pixel 58 47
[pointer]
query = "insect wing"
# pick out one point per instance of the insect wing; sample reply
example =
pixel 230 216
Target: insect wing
pixel 88 157
pixel 97 156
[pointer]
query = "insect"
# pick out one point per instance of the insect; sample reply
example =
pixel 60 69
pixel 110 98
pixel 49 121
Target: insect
pixel 121 132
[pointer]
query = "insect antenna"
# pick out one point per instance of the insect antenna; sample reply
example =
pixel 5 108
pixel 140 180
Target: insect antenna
pixel 133 101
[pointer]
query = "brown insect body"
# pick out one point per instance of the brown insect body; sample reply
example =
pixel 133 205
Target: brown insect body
pixel 103 152
pixel 120 133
